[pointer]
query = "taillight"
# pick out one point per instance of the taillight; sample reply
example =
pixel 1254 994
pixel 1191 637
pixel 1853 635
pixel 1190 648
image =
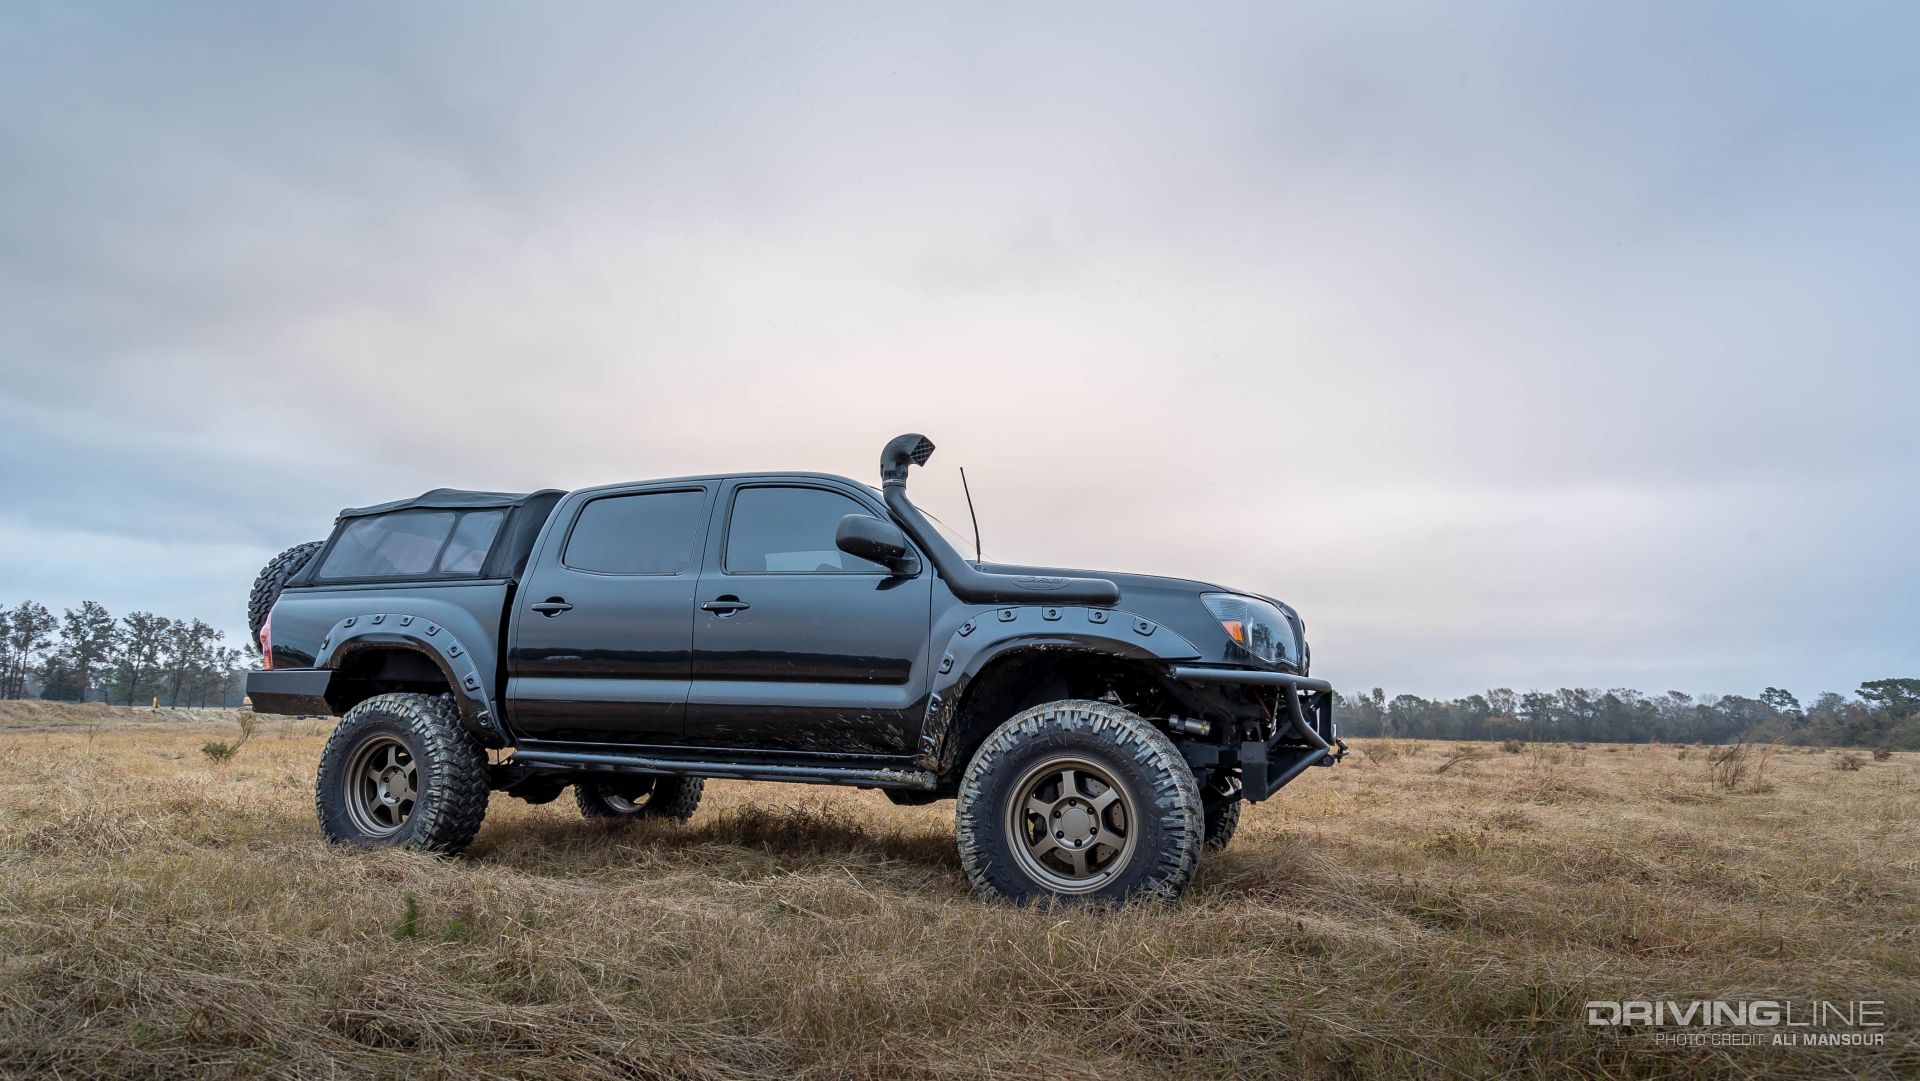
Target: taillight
pixel 266 642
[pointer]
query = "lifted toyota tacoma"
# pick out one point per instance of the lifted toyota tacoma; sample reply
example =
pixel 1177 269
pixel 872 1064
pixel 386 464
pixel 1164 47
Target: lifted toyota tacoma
pixel 630 641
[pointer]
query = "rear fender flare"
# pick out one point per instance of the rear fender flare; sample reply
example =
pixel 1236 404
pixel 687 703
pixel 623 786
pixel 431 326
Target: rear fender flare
pixel 975 639
pixel 387 630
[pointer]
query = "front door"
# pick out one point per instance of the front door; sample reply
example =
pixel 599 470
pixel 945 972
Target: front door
pixel 798 646
pixel 603 623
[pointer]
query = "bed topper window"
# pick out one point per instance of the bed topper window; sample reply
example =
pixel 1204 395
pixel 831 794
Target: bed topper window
pixel 413 544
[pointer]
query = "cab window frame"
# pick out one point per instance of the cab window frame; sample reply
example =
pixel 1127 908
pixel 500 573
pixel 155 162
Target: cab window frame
pixel 696 544
pixel 723 538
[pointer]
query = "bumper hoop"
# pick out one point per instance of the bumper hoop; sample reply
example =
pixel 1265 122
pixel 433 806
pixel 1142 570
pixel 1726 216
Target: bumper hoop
pixel 1267 765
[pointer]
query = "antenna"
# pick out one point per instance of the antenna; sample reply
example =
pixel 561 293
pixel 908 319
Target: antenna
pixel 977 557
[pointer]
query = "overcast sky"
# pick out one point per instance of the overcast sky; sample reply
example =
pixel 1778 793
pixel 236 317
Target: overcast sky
pixel 1518 345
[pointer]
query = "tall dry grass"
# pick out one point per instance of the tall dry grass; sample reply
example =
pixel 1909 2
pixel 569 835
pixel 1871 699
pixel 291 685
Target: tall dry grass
pixel 163 916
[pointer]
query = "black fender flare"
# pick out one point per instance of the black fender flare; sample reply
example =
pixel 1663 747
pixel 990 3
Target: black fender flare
pixel 389 630
pixel 977 639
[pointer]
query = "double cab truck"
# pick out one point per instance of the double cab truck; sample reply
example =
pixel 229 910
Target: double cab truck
pixel 1097 731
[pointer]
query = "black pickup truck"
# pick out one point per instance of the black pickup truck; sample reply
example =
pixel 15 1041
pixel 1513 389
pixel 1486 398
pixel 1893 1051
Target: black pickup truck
pixel 1097 731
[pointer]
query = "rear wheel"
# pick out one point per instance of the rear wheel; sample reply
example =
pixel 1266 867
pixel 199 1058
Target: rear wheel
pixel 400 771
pixel 674 798
pixel 1079 801
pixel 272 579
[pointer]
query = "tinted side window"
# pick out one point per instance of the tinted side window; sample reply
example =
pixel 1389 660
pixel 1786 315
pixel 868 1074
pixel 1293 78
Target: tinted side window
pixel 467 549
pixel 790 531
pixel 646 533
pixel 391 544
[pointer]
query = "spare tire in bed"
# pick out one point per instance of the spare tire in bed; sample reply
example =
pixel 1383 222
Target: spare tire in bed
pixel 273 578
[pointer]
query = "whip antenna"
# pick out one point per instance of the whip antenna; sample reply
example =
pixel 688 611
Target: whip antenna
pixel 977 557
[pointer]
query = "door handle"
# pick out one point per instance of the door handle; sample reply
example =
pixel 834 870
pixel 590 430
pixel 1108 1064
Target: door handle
pixel 725 606
pixel 553 606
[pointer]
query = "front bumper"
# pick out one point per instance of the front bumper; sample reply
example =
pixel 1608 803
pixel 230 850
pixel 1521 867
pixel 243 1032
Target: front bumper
pixel 1306 737
pixel 300 692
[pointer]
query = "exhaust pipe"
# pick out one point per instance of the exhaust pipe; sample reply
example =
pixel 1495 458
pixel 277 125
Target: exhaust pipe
pixel 968 582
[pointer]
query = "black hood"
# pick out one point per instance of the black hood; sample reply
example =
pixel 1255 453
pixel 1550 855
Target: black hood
pixel 1128 583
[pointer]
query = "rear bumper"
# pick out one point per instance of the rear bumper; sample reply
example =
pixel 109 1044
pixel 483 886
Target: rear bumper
pixel 1304 737
pixel 296 691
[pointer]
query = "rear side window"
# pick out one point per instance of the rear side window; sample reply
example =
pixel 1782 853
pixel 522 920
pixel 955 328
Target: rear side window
pixel 392 544
pixel 644 533
pixel 413 544
pixel 791 531
pixel 472 539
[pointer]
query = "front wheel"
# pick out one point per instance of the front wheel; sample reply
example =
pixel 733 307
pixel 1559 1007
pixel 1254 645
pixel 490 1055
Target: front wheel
pixel 1079 801
pixel 399 771
pixel 1222 800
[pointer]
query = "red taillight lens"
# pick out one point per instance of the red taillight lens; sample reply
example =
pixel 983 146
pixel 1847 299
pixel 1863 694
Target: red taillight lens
pixel 266 643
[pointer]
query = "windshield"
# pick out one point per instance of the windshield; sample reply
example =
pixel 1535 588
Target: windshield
pixel 962 542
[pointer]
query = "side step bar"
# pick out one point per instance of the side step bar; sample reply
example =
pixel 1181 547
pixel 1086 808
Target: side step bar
pixel 912 779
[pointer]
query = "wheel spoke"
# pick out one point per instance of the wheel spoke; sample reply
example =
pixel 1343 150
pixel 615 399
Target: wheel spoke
pixel 1069 783
pixel 1104 800
pixel 1045 844
pixel 1040 807
pixel 1077 858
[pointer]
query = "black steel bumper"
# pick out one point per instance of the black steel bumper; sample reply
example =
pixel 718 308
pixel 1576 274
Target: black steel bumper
pixel 1307 737
pixel 301 692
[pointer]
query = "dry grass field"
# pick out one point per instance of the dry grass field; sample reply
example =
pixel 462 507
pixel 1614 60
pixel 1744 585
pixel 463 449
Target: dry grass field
pixel 164 915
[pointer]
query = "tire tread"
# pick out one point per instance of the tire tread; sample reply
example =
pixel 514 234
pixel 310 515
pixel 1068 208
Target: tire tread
pixel 444 821
pixel 674 798
pixel 272 579
pixel 1174 798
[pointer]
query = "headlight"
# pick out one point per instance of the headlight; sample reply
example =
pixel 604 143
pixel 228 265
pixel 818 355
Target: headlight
pixel 1258 627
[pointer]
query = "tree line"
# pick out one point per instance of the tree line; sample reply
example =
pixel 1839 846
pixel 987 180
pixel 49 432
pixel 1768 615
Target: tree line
pixel 86 654
pixel 1882 713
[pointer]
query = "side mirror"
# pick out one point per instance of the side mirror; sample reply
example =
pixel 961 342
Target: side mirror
pixel 876 541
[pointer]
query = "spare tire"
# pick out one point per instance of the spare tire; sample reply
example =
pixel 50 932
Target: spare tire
pixel 273 578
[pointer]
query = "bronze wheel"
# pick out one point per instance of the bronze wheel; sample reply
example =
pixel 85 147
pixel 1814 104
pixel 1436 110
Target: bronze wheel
pixel 401 771
pixel 383 783
pixel 1078 801
pixel 1070 824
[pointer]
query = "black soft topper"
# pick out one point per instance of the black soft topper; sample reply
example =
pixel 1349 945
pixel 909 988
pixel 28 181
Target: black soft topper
pixel 449 499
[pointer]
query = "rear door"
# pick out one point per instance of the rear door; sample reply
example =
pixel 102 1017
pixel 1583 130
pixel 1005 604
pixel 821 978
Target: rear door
pixel 799 647
pixel 602 635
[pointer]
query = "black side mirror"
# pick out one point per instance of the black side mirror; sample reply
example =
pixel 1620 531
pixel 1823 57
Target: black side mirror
pixel 876 541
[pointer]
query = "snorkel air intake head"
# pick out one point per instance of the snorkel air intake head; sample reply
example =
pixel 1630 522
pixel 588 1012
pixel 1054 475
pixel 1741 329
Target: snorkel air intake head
pixel 968 582
pixel 900 452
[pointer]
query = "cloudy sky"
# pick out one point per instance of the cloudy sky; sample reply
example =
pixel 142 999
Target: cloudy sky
pixel 1515 344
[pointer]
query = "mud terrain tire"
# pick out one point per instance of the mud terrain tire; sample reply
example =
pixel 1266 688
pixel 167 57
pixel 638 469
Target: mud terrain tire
pixel 1072 765
pixel 671 798
pixel 399 771
pixel 271 580
pixel 1223 805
